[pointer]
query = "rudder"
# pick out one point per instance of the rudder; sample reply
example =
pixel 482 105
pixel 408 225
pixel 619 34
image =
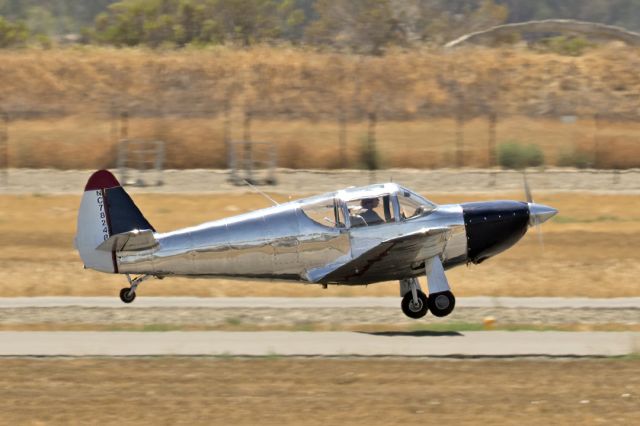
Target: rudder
pixel 105 210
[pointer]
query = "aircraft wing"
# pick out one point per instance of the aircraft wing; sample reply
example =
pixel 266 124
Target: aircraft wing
pixel 395 258
pixel 129 241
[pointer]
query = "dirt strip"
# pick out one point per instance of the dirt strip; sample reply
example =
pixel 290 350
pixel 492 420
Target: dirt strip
pixel 280 391
pixel 48 181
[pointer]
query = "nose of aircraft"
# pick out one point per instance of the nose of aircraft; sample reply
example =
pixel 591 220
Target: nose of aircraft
pixel 493 226
pixel 539 213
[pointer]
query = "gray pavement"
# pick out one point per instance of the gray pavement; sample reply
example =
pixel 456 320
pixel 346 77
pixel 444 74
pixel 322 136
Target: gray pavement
pixel 270 343
pixel 49 181
pixel 313 302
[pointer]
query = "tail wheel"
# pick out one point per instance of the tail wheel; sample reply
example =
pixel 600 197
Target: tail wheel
pixel 441 304
pixel 127 296
pixel 413 309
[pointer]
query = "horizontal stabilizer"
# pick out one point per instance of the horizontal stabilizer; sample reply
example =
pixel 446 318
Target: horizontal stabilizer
pixel 135 240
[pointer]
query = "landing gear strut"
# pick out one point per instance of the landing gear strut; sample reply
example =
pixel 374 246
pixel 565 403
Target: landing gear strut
pixel 441 300
pixel 416 304
pixel 128 294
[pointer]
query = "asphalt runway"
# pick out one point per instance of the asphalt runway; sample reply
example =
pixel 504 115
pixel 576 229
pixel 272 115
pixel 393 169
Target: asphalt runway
pixel 279 343
pixel 313 302
pixel 301 343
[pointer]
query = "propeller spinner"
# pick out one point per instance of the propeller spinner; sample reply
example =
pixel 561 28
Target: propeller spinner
pixel 538 213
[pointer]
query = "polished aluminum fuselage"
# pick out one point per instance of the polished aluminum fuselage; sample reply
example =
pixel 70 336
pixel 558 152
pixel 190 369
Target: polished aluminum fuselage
pixel 282 242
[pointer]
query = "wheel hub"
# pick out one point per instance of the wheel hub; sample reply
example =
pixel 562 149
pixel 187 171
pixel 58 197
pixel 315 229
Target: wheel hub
pixel 442 302
pixel 415 306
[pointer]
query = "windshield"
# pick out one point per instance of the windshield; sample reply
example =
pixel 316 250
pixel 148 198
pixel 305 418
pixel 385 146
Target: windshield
pixel 412 205
pixel 370 211
pixel 325 212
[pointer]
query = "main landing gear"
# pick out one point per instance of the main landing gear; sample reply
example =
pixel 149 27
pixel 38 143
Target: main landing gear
pixel 441 304
pixel 416 304
pixel 128 294
pixel 414 301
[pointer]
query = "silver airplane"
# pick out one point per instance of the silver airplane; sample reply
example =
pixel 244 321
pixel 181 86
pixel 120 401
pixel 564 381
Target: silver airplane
pixel 354 236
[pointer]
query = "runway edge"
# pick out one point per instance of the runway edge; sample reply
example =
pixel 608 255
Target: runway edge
pixel 329 344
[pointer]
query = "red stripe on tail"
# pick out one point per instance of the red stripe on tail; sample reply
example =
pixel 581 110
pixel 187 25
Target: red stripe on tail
pixel 100 180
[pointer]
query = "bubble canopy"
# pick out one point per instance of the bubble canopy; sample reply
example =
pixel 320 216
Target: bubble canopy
pixel 390 202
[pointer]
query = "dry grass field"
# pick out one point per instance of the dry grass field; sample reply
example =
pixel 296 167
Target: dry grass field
pixel 218 391
pixel 88 142
pixel 62 103
pixel 590 250
pixel 308 83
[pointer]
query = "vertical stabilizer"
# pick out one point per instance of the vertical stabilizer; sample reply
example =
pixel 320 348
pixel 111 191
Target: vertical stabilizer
pixel 105 210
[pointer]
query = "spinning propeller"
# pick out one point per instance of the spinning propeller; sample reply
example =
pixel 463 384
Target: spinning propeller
pixel 538 213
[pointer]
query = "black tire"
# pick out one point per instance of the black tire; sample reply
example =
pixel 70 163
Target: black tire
pixel 412 311
pixel 125 297
pixel 442 304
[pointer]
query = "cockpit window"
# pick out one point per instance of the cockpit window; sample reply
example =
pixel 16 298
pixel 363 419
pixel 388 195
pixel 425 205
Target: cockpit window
pixel 412 205
pixel 326 213
pixel 370 211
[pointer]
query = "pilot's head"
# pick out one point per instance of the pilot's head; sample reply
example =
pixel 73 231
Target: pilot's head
pixel 370 203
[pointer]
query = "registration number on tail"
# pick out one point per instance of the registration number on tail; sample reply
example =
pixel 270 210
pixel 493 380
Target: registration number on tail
pixel 102 215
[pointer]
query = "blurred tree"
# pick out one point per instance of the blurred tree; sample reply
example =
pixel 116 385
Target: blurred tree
pixel 40 21
pixel 292 20
pixel 441 20
pixel 247 21
pixel 625 13
pixel 66 15
pixel 488 14
pixel 179 22
pixel 362 25
pixel 12 33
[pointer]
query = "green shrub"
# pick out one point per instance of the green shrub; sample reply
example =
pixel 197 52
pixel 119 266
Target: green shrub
pixel 514 155
pixel 12 33
pixel 369 157
pixel 566 45
pixel 575 158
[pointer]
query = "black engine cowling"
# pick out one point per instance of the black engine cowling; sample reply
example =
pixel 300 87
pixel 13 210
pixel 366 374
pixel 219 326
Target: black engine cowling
pixel 493 226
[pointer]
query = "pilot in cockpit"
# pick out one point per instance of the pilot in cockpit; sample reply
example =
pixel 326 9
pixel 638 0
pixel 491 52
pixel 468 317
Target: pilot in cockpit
pixel 368 213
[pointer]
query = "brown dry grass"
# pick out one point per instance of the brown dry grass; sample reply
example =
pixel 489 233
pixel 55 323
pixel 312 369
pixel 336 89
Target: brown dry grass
pixel 307 83
pixel 296 95
pixel 318 392
pixel 591 250
pixel 87 142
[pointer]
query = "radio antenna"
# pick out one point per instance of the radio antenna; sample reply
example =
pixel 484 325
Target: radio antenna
pixel 275 203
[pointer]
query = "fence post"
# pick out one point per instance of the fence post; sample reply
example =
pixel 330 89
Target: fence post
pixel 159 163
pixel 372 160
pixel 226 130
pixel 597 118
pixel 113 119
pixel 248 148
pixel 616 176
pixel 460 131
pixel 124 125
pixel 342 137
pixel 123 151
pixel 4 146
pixel 493 121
